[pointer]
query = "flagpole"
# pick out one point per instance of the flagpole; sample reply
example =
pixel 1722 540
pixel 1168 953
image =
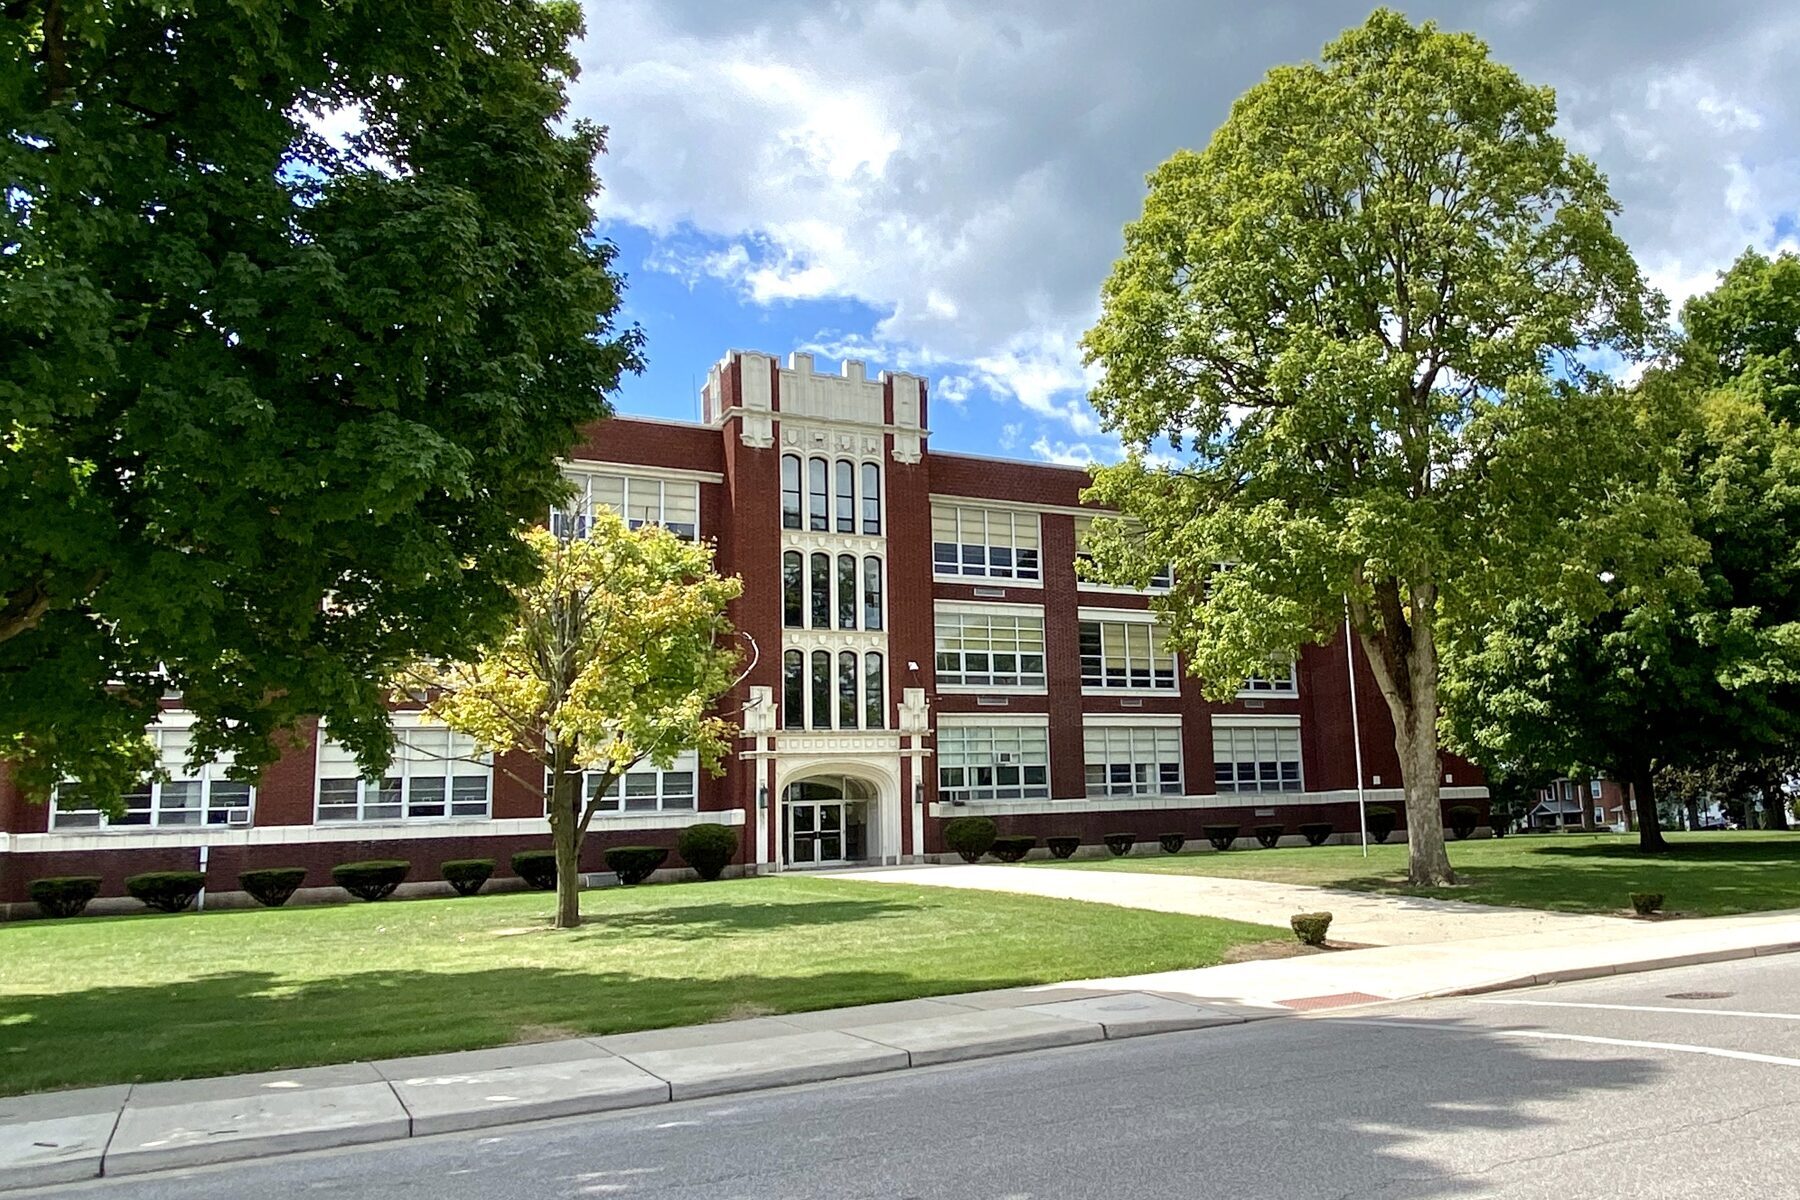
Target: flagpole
pixel 1362 814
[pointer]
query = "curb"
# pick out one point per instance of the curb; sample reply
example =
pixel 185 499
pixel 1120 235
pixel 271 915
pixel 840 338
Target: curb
pixel 1641 966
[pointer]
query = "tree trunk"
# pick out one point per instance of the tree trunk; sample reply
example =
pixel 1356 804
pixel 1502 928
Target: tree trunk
pixel 1584 795
pixel 1643 791
pixel 1774 801
pixel 1693 812
pixel 565 833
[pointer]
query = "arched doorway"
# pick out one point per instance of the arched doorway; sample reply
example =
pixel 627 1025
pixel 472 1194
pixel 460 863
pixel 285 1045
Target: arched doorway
pixel 825 821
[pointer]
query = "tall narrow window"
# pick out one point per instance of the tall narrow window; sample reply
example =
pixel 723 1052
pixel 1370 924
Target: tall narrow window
pixel 821 591
pixel 846 591
pixel 793 690
pixel 871 592
pixel 846 496
pixel 818 495
pixel 793 590
pixel 790 491
pixel 821 689
pixel 871 498
pixel 874 693
pixel 848 686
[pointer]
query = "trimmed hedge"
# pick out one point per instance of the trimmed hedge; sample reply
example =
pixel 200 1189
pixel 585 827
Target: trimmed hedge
pixel 1382 821
pixel 1317 833
pixel 970 837
pixel 466 875
pixel 1463 820
pixel 1310 927
pixel 1268 835
pixel 1221 836
pixel 1062 846
pixel 536 867
pixel 272 887
pixel 633 864
pixel 373 879
pixel 166 891
pixel 1120 843
pixel 1013 847
pixel 1645 903
pixel 63 895
pixel 708 848
pixel 1172 842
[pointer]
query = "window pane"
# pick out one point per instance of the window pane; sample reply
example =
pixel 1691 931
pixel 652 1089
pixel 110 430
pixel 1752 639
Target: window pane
pixel 790 491
pixel 874 693
pixel 821 688
pixel 821 590
pixel 469 796
pixel 847 690
pixel 846 496
pixel 817 496
pixel 871 593
pixel 793 589
pixel 678 790
pixel 793 690
pixel 425 796
pixel 338 799
pixel 846 591
pixel 871 499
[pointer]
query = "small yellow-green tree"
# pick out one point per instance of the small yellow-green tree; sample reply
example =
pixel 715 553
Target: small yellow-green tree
pixel 615 655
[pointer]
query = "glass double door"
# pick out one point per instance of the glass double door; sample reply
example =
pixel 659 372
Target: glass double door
pixel 815 833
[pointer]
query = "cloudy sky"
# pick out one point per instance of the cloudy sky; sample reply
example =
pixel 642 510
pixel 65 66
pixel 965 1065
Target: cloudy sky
pixel 940 187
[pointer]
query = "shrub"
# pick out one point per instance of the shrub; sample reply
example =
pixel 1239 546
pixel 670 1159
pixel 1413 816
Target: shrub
pixel 1013 847
pixel 63 895
pixel 372 880
pixel 1268 835
pixel 1120 843
pixel 633 864
pixel 272 887
pixel 1382 821
pixel 166 891
pixel 1499 826
pixel 1221 836
pixel 970 837
pixel 1062 847
pixel 708 848
pixel 1310 927
pixel 1172 842
pixel 1317 833
pixel 466 875
pixel 536 867
pixel 1645 903
pixel 1463 820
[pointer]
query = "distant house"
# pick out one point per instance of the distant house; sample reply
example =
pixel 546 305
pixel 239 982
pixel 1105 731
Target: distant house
pixel 1560 804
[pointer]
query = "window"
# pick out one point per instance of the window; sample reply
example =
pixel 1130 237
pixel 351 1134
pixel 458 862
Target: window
pixel 871 499
pixel 793 690
pixel 871 592
pixel 874 692
pixel 1132 760
pixel 846 591
pixel 672 503
pixel 1277 681
pixel 1159 581
pixel 647 788
pixel 821 591
pixel 993 762
pixel 790 491
pixel 186 799
pixel 1594 788
pixel 846 496
pixel 821 689
pixel 1126 654
pixel 818 517
pixel 986 649
pixel 431 777
pixel 1256 758
pixel 984 542
pixel 793 589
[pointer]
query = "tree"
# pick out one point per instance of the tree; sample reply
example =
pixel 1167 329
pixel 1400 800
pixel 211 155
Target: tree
pixel 276 403
pixel 615 655
pixel 1340 319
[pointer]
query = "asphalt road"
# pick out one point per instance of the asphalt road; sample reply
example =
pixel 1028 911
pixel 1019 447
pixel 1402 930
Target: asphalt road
pixel 1607 1089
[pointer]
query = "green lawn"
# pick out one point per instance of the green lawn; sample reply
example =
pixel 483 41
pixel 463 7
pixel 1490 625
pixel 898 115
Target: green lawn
pixel 1704 874
pixel 105 1000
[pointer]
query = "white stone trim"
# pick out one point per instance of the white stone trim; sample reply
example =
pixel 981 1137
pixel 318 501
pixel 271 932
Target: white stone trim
pixel 982 608
pixel 1141 616
pixel 1020 720
pixel 606 466
pixel 1001 808
pixel 1262 720
pixel 1129 720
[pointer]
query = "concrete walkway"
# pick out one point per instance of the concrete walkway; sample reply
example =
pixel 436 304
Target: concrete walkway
pixel 1361 918
pixel 128 1129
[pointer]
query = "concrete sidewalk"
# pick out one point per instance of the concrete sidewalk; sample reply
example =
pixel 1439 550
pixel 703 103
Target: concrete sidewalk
pixel 128 1129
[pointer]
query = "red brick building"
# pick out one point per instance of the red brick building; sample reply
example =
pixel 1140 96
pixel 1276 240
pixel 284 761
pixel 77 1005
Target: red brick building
pixel 924 649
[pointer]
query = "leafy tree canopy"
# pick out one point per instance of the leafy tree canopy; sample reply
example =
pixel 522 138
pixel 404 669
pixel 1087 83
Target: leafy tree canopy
pixel 275 403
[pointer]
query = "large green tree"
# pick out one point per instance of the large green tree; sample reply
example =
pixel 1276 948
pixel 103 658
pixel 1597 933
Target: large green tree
pixel 1339 347
pixel 299 302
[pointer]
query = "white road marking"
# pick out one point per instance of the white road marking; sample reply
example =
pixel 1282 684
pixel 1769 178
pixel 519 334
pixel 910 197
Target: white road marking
pixel 1650 1008
pixel 1678 1047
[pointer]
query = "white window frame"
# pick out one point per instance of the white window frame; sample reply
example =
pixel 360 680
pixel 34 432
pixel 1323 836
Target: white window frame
pixel 1017 618
pixel 628 791
pixel 991 516
pixel 1275 683
pixel 156 809
pixel 1229 729
pixel 1118 625
pixel 1021 738
pixel 1141 745
pixel 374 796
pixel 635 488
pixel 833 696
pixel 1160 583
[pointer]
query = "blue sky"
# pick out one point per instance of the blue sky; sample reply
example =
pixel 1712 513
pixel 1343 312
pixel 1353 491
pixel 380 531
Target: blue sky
pixel 939 186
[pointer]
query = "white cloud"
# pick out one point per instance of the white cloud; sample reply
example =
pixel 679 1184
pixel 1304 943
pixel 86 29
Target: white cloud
pixel 1070 454
pixel 1009 434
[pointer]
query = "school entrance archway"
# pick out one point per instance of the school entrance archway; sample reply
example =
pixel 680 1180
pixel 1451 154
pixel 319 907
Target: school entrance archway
pixel 825 821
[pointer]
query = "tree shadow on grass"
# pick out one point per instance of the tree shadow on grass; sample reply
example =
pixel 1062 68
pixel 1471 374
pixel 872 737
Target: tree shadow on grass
pixel 700 922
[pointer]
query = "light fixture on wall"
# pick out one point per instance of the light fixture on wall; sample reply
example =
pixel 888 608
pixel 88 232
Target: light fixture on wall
pixel 762 797
pixel 918 791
